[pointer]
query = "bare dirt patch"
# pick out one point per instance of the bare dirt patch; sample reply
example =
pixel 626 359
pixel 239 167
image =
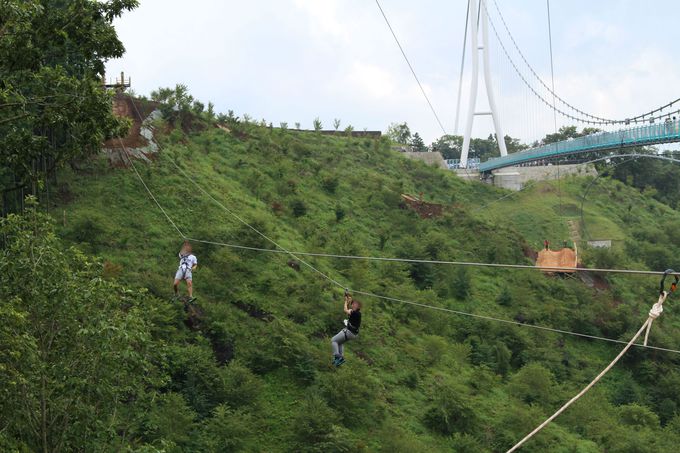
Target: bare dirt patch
pixel 424 209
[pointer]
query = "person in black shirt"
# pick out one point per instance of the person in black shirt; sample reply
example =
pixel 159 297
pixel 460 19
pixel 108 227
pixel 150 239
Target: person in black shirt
pixel 351 330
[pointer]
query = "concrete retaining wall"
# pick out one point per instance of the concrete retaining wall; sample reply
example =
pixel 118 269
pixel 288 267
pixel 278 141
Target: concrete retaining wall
pixel 514 178
pixel 429 158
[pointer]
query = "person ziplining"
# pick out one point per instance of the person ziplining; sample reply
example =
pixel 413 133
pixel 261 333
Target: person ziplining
pixel 352 308
pixel 187 264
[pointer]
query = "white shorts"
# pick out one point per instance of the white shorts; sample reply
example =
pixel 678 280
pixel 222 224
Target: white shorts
pixel 182 274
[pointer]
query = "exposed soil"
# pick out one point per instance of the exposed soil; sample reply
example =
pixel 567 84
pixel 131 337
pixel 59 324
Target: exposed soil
pixel 195 314
pixel 254 311
pixel 529 252
pixel 134 142
pixel 424 209
pixel 136 110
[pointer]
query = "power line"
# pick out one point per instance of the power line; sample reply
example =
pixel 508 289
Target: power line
pixel 422 90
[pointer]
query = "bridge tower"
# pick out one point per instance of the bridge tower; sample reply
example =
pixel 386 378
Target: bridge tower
pixel 474 51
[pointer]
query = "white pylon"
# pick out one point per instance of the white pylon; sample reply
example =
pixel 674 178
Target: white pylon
pixel 475 48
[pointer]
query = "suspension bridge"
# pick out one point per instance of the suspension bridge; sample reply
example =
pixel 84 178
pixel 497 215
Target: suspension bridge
pixel 654 134
pixel 538 109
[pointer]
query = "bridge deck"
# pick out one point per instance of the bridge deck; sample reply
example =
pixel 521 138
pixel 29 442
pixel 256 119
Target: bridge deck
pixel 652 134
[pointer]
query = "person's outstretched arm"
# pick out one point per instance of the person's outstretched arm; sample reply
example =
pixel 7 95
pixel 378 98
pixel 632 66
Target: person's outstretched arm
pixel 348 299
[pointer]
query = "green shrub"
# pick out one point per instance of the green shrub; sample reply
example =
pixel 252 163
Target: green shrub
pixel 314 429
pixel 638 416
pixel 450 410
pixel 225 431
pixel 171 419
pixel 330 184
pixel 241 386
pixel 533 384
pixel 299 208
pixel 339 214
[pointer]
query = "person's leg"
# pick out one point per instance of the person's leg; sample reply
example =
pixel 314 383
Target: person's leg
pixel 178 278
pixel 190 287
pixel 336 344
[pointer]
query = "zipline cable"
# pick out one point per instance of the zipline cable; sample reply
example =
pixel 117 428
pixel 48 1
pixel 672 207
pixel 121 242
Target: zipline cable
pixel 149 190
pixel 415 76
pixel 440 262
pixel 393 299
pixel 418 304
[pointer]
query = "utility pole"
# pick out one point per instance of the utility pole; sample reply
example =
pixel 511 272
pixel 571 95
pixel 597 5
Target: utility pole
pixel 474 81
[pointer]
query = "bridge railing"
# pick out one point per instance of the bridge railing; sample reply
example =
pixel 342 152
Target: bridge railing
pixel 637 136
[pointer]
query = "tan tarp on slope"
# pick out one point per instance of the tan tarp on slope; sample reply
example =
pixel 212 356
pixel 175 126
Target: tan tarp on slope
pixel 557 258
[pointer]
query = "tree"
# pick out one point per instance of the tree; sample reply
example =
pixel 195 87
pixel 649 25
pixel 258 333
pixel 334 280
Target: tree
pixel 52 57
pixel 336 124
pixel 317 124
pixel 297 126
pixel 81 350
pixel 399 133
pixel 568 132
pixel 417 143
pixel 348 130
pixel 177 105
pixel 449 146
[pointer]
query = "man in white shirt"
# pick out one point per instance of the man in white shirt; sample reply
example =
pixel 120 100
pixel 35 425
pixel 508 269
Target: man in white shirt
pixel 187 263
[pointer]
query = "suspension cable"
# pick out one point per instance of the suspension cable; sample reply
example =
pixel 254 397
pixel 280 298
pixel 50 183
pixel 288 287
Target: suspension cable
pixel 415 76
pixel 462 66
pixel 593 118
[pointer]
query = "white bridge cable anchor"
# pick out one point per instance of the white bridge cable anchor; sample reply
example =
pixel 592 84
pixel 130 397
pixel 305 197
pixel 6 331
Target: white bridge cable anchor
pixel 654 313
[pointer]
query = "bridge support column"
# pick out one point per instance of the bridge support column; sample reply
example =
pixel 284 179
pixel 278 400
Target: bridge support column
pixel 474 81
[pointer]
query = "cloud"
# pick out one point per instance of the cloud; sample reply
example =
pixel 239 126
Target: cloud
pixel 293 60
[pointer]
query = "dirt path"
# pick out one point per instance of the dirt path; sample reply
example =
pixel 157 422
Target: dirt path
pixel 574 233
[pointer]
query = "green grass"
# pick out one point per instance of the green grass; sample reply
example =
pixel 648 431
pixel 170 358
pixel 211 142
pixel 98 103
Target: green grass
pixel 409 365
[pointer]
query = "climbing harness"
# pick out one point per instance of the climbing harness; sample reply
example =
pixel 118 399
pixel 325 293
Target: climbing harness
pixel 654 313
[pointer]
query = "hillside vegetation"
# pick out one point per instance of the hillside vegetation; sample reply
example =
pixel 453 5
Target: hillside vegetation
pixel 251 371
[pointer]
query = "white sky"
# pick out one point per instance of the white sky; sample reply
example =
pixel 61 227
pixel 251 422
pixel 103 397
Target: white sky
pixel 294 60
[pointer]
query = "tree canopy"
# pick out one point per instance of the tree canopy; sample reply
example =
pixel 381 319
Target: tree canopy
pixel 52 104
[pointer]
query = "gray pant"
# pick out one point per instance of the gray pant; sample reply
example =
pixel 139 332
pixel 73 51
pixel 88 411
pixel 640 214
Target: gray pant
pixel 338 340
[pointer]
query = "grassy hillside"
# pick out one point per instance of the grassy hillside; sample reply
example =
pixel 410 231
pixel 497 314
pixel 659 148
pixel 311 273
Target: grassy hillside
pixel 256 375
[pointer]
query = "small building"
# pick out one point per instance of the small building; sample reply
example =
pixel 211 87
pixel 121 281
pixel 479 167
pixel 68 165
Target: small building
pixel 600 243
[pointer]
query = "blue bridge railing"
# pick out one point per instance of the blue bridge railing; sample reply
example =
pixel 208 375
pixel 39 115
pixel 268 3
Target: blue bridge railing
pixel 651 134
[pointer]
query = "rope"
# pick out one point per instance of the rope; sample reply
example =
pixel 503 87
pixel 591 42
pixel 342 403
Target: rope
pixel 422 90
pixel 653 314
